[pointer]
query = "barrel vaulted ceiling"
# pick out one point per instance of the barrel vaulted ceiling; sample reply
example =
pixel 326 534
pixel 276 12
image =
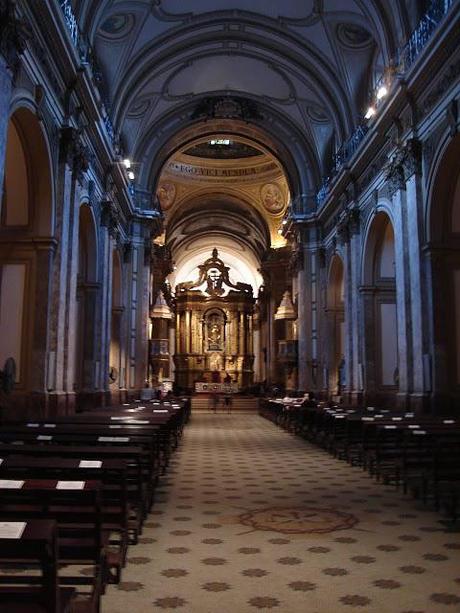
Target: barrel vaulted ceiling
pixel 307 65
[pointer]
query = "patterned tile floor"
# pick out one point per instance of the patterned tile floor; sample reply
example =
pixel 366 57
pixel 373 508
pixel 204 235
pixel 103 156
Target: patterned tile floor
pixel 250 518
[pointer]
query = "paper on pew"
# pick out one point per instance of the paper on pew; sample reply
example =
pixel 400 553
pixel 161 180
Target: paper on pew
pixel 90 464
pixel 33 425
pixel 44 437
pixel 113 439
pixel 160 411
pixel 70 485
pixel 50 425
pixel 12 529
pixel 115 426
pixel 7 484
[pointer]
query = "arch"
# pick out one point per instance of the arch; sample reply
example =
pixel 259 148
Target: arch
pixel 27 154
pixel 373 231
pixel 27 214
pixel 87 302
pixel 278 136
pixel 87 241
pixel 443 230
pixel 380 311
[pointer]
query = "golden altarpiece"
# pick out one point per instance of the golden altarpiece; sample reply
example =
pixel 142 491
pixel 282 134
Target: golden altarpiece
pixel 214 328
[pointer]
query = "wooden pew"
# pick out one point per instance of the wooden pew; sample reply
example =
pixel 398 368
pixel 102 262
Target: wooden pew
pixel 113 476
pixel 22 589
pixel 78 513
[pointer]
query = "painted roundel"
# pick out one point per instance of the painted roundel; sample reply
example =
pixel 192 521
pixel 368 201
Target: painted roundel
pixel 117 26
pixel 166 195
pixel 272 198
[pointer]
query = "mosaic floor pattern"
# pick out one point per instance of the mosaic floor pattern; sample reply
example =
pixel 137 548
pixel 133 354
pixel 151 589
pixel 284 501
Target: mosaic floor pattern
pixel 250 518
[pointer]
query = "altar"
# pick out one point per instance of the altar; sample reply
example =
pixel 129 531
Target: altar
pixel 214 330
pixel 202 387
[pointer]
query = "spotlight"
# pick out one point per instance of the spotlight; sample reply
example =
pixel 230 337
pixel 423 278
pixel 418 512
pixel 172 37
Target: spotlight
pixel 127 163
pixel 381 92
pixel 284 222
pixel 370 112
pixel 131 175
pixel 280 231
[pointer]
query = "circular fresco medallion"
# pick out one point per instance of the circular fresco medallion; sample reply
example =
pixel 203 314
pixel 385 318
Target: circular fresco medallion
pixel 353 36
pixel 166 195
pixel 117 26
pixel 272 198
pixel 298 520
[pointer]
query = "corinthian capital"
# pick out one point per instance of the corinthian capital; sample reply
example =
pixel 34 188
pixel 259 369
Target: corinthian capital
pixel 412 158
pixel 394 175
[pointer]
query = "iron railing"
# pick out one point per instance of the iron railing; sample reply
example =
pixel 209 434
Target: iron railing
pixel 422 34
pixel 405 58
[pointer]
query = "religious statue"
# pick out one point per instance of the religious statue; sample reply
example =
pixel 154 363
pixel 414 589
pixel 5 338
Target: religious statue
pixel 214 334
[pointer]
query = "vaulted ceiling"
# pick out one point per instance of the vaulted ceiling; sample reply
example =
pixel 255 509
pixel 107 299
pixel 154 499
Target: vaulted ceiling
pixel 306 65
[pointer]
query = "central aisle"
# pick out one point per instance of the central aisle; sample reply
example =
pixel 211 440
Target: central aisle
pixel 251 518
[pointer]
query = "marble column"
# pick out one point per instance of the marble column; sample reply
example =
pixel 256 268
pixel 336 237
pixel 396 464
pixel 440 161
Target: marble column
pixel 414 213
pixel 352 311
pixel 399 200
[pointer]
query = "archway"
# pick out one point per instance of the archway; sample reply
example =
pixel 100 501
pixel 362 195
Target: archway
pixel 381 372
pixel 444 258
pixel 225 192
pixel 26 246
pixel 336 327
pixel 87 294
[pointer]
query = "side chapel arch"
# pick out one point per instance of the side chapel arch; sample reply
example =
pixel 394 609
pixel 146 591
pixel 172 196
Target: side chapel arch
pixel 443 225
pixel 380 311
pixel 26 247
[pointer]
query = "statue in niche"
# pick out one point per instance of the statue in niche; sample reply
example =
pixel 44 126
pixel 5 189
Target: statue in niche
pixel 215 333
pixel 215 362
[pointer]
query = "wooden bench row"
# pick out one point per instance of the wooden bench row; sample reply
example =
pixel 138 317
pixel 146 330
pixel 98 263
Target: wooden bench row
pixel 96 482
pixel 420 454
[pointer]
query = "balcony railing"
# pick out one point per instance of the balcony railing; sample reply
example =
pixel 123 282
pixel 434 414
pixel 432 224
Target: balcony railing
pixel 406 57
pixel 422 34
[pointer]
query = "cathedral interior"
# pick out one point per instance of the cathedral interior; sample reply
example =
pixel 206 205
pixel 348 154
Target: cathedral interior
pixel 249 198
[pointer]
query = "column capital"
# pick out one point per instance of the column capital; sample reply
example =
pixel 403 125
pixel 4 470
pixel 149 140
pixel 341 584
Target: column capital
pixel 109 217
pixel 74 152
pixel 394 175
pixel 412 158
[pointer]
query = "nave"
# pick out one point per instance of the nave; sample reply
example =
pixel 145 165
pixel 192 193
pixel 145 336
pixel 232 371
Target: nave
pixel 252 518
